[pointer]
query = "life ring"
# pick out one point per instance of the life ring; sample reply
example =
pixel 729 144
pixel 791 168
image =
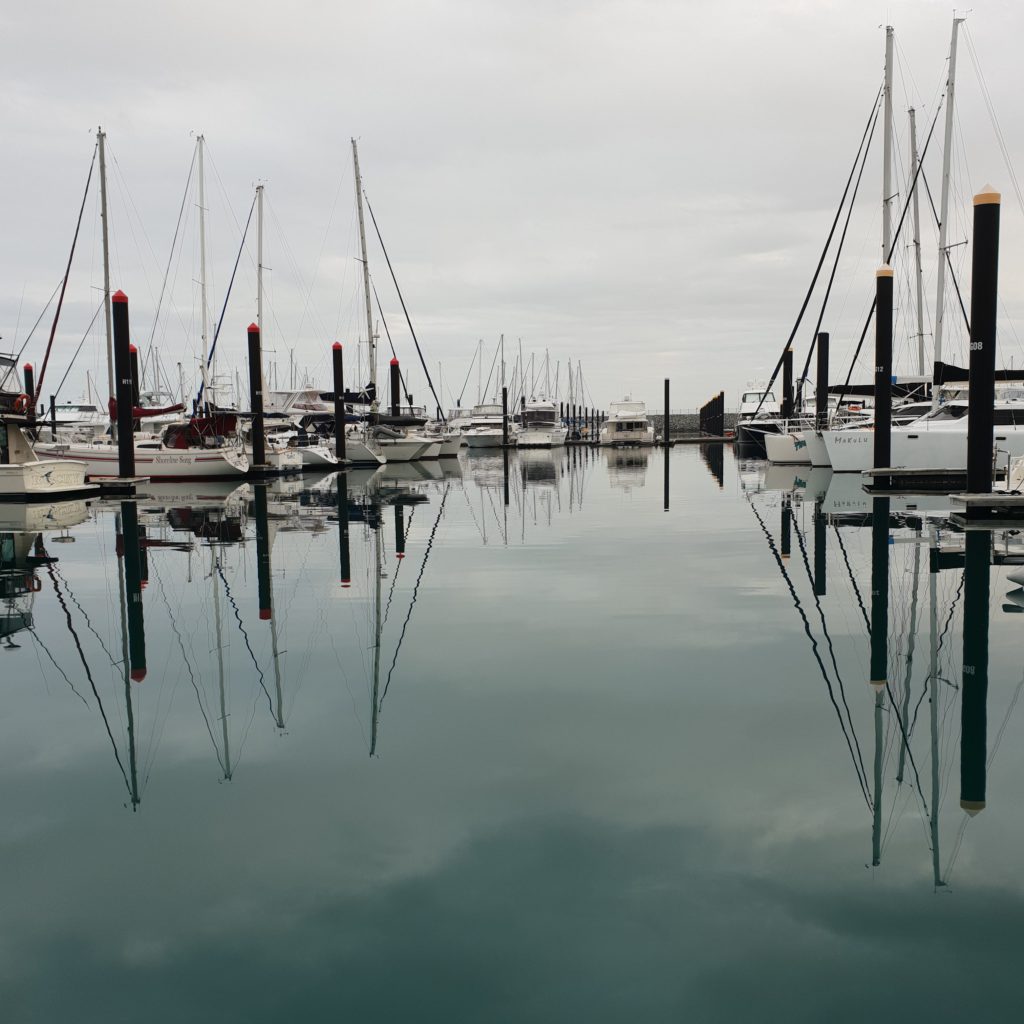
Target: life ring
pixel 21 404
pixel 34 583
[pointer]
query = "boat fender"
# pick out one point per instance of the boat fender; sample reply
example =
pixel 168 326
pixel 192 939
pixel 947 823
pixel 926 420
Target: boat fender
pixel 21 404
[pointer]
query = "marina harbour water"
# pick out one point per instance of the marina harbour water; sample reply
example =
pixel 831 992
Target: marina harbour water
pixel 570 734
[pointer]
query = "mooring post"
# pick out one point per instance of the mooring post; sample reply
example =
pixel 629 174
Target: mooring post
pixel 984 300
pixel 821 384
pixel 259 444
pixel 974 688
pixel 883 367
pixel 123 385
pixel 665 432
pixel 338 364
pixel 504 419
pixel 30 391
pixel 396 388
pixel 53 417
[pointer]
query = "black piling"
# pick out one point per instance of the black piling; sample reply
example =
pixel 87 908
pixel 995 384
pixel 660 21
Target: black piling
pixel 133 358
pixel 396 388
pixel 30 392
pixel 504 420
pixel 821 384
pixel 259 445
pixel 974 688
pixel 338 363
pixel 984 298
pixel 666 431
pixel 883 367
pixel 123 385
pixel 53 417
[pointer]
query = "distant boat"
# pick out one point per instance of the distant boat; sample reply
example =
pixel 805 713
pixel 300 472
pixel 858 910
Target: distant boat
pixel 627 424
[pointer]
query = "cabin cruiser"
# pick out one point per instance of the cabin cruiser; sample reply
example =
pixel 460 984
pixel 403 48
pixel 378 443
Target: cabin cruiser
pixel 485 428
pixel 758 415
pixel 539 426
pixel 24 476
pixel 627 424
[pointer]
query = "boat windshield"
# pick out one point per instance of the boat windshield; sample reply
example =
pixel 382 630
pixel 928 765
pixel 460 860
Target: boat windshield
pixel 755 396
pixel 949 412
pixel 539 418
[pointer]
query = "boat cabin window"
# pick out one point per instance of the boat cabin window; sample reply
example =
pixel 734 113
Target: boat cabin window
pixel 755 396
pixel 539 417
pixel 1008 417
pixel 628 425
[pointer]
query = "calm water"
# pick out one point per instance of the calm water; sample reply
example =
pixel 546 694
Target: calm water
pixel 617 761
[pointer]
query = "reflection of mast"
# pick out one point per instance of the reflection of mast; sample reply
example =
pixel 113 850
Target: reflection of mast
pixel 974 692
pixel 879 652
pixel 905 738
pixel 377 555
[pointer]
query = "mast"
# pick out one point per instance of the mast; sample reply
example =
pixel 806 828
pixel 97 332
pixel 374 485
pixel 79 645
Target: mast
pixel 887 149
pixel 200 145
pixel 947 146
pixel 918 277
pixel 101 139
pixel 259 258
pixel 370 340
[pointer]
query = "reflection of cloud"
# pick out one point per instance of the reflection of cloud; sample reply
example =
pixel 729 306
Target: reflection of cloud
pixel 555 921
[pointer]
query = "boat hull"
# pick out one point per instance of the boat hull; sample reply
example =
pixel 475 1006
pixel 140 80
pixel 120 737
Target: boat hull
pixel 101 461
pixel 787 449
pixel 43 480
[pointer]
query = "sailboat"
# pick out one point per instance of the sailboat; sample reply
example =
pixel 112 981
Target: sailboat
pixel 187 449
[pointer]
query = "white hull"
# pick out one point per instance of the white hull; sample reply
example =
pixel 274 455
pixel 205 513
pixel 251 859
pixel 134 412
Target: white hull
pixel 537 438
pixel 359 453
pixel 157 463
pixel 914 447
pixel 816 450
pixel 486 438
pixel 787 449
pixel 45 478
pixel 402 449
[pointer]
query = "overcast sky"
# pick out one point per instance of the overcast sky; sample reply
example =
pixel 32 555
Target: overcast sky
pixel 640 186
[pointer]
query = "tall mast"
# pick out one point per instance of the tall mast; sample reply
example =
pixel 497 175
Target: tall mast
pixel 200 145
pixel 947 146
pixel 259 259
pixel 887 149
pixel 918 277
pixel 371 341
pixel 101 138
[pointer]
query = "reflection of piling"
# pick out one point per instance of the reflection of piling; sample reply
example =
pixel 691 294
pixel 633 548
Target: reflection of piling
pixel 343 547
pixel 504 463
pixel 883 367
pixel 399 531
pixel 259 446
pixel 133 585
pixel 785 543
pixel 666 478
pixel 821 385
pixel 266 598
pixel 338 363
pixel 879 651
pixel 974 691
pixel 820 550
pixel 984 299
pixel 124 385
